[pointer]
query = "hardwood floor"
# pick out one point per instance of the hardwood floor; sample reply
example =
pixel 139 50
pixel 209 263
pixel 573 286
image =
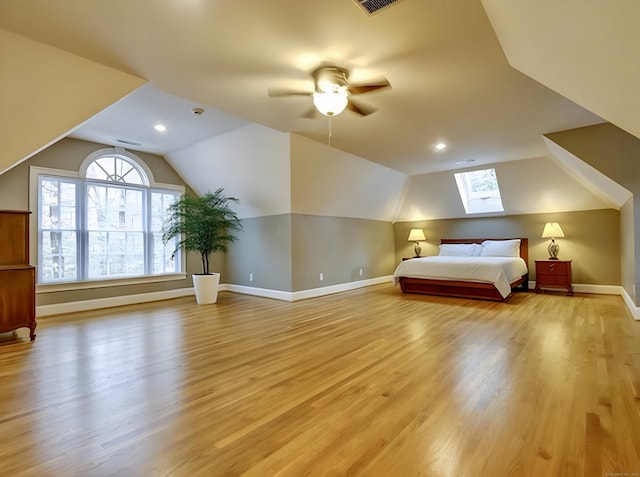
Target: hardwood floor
pixel 369 382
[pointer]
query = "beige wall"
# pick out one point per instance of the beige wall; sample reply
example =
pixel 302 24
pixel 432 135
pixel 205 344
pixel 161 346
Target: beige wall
pixel 339 247
pixel 329 182
pixel 592 239
pixel 251 163
pixel 68 154
pixel 547 188
pixel 627 248
pixel 615 153
pixel 288 252
pixel 263 249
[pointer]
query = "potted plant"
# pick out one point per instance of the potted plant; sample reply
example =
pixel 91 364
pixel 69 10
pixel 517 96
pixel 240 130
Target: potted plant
pixel 203 224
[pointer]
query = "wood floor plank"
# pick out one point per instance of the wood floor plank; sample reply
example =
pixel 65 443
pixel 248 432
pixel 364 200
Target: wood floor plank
pixel 369 382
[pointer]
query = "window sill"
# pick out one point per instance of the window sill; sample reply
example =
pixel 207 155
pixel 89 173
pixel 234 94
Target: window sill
pixel 116 282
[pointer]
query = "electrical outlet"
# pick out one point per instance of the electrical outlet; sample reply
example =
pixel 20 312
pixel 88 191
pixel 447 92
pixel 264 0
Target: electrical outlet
pixel 251 277
pixel 321 276
pixel 360 271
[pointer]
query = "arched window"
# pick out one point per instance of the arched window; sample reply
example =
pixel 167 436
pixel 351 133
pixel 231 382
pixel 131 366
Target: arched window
pixel 106 223
pixel 116 169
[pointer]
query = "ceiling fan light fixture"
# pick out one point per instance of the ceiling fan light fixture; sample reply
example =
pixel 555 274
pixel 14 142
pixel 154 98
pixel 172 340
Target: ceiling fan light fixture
pixel 331 103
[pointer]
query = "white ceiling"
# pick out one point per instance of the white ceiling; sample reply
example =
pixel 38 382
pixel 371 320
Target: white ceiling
pixel 132 120
pixel 450 79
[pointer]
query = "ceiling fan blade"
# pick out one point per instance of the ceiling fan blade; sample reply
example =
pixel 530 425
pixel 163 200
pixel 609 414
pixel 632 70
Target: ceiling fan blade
pixel 360 109
pixel 367 88
pixel 310 113
pixel 277 92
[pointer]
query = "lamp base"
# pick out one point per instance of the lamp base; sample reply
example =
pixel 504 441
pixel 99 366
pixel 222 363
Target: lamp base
pixel 553 250
pixel 417 249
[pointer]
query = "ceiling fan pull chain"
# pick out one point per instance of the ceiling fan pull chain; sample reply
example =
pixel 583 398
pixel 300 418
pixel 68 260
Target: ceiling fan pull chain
pixel 329 131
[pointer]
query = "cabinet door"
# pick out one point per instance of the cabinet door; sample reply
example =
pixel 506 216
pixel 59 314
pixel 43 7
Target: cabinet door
pixel 17 298
pixel 14 238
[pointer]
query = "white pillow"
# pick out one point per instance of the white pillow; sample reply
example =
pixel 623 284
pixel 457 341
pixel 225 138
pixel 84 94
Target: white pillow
pixel 501 248
pixel 458 249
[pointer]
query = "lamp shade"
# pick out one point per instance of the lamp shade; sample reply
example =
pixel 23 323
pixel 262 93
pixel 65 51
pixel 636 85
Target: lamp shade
pixel 415 235
pixel 552 230
pixel 331 103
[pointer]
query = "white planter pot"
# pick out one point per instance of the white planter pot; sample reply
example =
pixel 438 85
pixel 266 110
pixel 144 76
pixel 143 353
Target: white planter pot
pixel 206 287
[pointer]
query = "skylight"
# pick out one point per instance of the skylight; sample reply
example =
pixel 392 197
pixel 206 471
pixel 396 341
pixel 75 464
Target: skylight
pixel 479 191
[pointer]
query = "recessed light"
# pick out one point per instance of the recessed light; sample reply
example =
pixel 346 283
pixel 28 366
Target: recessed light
pixel 440 146
pixel 160 127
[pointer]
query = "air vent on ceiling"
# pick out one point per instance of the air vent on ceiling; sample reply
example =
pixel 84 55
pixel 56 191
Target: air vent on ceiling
pixel 128 143
pixel 373 6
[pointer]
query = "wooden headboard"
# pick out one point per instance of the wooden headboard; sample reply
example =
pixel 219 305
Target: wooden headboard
pixel 524 244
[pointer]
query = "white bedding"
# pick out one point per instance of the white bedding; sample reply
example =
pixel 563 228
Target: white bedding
pixel 500 271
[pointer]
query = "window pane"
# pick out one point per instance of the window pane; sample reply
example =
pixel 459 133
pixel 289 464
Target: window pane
pixel 96 170
pixel 96 207
pixel 50 250
pixel 162 260
pixel 161 253
pixel 479 191
pixel 116 253
pixel 116 243
pixel 116 231
pixel 116 169
pixel 68 257
pixel 134 177
pixel 68 217
pixel 57 236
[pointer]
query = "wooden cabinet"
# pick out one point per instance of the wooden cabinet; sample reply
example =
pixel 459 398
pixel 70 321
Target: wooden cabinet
pixel 554 274
pixel 17 277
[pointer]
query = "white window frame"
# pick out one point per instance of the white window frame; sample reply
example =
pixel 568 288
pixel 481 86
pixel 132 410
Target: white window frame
pixel 35 172
pixel 484 202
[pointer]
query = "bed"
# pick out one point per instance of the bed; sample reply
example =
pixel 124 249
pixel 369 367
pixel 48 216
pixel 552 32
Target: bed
pixel 458 272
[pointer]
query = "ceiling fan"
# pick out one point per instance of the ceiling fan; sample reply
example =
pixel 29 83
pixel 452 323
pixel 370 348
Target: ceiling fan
pixel 333 93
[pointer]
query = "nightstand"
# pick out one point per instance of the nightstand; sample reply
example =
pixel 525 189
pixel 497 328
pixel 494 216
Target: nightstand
pixel 554 274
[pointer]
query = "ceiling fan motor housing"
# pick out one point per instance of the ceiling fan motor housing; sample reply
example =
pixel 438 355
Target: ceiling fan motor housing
pixel 330 79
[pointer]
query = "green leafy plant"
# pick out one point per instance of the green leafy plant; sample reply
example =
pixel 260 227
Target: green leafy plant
pixel 203 224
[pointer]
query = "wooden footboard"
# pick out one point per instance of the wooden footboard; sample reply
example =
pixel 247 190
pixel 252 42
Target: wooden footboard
pixel 483 291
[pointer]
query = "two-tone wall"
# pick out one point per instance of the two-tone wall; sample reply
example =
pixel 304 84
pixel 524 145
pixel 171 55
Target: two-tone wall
pixel 313 216
pixel 592 239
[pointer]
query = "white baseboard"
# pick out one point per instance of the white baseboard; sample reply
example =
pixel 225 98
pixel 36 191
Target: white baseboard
pixel 635 310
pixel 598 289
pixel 305 294
pixel 586 288
pixel 84 305
pixel 262 292
pixel 604 290
pixel 315 292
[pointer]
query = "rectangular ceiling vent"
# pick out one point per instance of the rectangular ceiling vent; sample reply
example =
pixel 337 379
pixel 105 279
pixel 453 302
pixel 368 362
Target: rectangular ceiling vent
pixel 128 143
pixel 373 6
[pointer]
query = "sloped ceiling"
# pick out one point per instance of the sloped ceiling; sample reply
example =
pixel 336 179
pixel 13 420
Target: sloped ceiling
pixel 585 50
pixel 450 80
pixel 46 92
